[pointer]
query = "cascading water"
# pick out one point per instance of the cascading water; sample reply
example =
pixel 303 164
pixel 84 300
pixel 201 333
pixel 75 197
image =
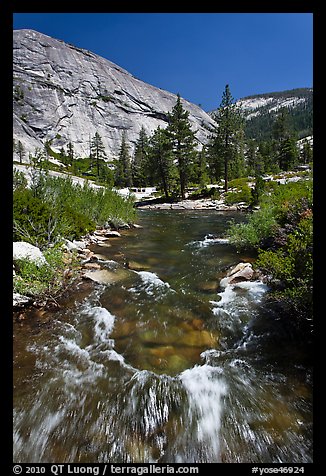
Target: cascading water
pixel 162 365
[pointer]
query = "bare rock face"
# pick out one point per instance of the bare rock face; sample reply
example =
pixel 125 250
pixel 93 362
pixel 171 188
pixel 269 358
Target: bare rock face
pixel 65 94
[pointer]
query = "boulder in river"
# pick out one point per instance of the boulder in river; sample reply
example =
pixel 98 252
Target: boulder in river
pixel 241 272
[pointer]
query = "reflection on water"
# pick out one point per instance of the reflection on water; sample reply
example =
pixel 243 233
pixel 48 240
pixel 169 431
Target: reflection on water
pixel 161 364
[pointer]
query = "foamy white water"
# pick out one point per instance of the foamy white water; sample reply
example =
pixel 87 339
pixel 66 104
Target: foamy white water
pixel 150 283
pixel 206 390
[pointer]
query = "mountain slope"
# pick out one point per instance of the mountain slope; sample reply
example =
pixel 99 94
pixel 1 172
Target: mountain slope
pixel 63 93
pixel 261 110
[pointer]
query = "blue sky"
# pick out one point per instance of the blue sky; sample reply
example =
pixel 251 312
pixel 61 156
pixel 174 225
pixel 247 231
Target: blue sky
pixel 194 54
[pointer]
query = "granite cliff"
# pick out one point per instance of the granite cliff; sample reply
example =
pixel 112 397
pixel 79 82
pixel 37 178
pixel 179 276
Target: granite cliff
pixel 65 94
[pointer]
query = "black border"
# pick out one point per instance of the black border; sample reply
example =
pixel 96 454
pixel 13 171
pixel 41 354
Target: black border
pixel 6 27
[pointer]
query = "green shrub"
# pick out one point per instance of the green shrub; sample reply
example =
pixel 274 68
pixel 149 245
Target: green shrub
pixel 260 225
pixel 35 280
pixel 33 219
pixel 75 224
pixel 238 182
pixel 243 194
pixel 19 180
pixel 293 266
pixel 63 209
pixel 293 199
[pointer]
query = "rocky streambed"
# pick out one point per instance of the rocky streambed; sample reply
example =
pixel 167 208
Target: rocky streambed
pixel 173 355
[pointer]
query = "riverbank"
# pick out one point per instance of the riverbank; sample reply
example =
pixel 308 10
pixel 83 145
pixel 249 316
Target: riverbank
pixel 77 263
pixel 198 204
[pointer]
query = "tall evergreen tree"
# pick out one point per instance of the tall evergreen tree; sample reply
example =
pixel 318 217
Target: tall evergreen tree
pixel 229 135
pixel 182 140
pixel 139 166
pixel 70 153
pixel 161 160
pixel 306 154
pixel 288 154
pixel 97 151
pixel 123 167
pixel 199 173
pixel 281 126
pixel 20 149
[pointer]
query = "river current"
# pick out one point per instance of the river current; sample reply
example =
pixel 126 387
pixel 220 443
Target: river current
pixel 162 364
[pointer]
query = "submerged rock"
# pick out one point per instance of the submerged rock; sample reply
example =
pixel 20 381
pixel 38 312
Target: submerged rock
pixel 104 276
pixel 208 287
pixel 199 338
pixel 135 266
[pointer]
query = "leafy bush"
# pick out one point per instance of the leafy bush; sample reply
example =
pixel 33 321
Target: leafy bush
pixel 58 208
pixel 33 219
pixel 243 194
pixel 293 265
pixel 35 280
pixel 238 182
pixel 284 206
pixel 19 180
pixel 260 225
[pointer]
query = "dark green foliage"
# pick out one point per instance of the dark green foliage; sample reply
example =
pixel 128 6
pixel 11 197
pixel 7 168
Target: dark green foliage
pixel 227 141
pixel 288 154
pixel 199 172
pixel 106 98
pixel 59 209
pixel 282 232
pixel 140 165
pixel 257 191
pixel 33 219
pixel 306 154
pixel 182 141
pixel 123 176
pixel 161 160
pixel 97 153
pixel 300 118
pixel 18 93
pixel 19 180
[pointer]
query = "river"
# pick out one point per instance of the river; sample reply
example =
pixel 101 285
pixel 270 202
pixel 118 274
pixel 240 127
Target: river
pixel 162 365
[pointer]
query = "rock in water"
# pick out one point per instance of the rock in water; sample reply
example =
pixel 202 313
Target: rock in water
pixel 241 272
pixel 66 94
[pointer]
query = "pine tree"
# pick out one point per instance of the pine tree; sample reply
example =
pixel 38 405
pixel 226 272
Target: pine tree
pixel 288 154
pixel 70 153
pixel 123 167
pixel 20 149
pixel 229 135
pixel 97 151
pixel 199 174
pixel 306 155
pixel 160 157
pixel 281 126
pixel 139 166
pixel 182 141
